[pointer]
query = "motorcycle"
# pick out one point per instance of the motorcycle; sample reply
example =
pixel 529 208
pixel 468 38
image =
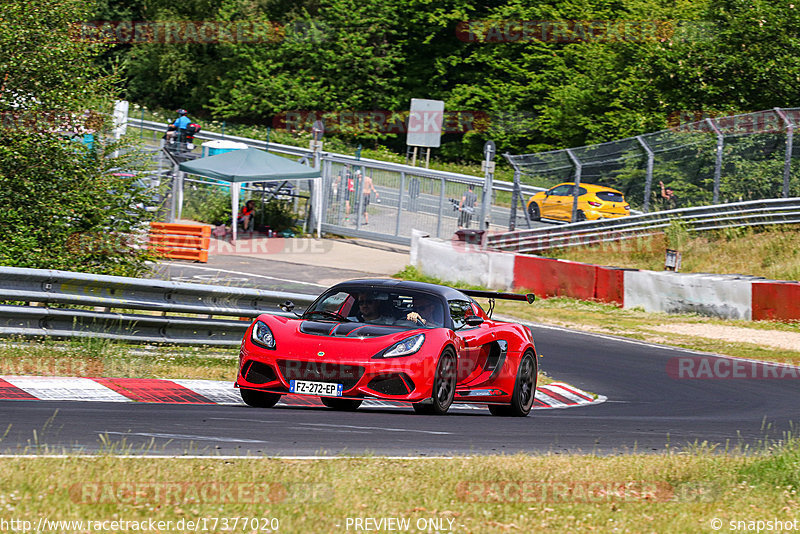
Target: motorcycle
pixel 183 141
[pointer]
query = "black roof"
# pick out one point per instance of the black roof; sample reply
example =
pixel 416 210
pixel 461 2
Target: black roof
pixel 447 293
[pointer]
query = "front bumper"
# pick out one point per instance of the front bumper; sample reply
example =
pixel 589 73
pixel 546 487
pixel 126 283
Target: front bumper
pixel 408 378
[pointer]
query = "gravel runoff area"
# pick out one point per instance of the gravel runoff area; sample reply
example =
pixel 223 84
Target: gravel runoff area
pixel 773 338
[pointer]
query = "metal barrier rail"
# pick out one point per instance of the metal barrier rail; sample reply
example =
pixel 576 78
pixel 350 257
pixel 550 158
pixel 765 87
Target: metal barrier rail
pixel 527 190
pixel 703 218
pixel 117 292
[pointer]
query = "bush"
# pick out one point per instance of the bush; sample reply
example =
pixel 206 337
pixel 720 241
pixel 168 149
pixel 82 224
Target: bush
pixel 63 207
pixel 208 204
pixel 276 214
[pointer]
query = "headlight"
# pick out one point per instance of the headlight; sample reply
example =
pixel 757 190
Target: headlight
pixel 262 335
pixel 405 347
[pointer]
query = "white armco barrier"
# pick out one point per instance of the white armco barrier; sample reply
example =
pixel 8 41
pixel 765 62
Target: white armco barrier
pixel 459 262
pixel 728 297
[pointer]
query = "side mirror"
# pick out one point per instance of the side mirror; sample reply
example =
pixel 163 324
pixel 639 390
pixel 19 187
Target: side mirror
pixel 473 320
pixel 530 297
pixel 287 306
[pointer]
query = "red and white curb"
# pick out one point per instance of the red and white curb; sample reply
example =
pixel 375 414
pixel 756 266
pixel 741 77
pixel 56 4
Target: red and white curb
pixel 185 391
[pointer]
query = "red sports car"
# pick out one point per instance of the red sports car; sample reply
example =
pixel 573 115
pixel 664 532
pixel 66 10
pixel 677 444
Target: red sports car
pixel 426 344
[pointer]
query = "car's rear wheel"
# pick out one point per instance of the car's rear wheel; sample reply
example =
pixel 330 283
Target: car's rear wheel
pixel 344 405
pixel 444 386
pixel 533 211
pixel 524 390
pixel 581 216
pixel 259 399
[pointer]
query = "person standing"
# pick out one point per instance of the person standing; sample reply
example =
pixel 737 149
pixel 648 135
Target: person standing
pixel 369 188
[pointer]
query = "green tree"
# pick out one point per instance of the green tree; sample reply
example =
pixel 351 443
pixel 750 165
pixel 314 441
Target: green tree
pixel 62 205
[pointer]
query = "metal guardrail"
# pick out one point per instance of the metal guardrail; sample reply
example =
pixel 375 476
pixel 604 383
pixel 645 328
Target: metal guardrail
pixel 122 293
pixel 341 158
pixel 698 219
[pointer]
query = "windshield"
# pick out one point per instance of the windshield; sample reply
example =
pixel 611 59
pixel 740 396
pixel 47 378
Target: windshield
pixel 378 306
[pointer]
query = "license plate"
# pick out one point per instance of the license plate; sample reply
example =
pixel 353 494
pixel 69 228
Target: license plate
pixel 323 389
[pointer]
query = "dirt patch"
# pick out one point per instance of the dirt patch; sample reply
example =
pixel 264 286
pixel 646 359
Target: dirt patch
pixel 770 338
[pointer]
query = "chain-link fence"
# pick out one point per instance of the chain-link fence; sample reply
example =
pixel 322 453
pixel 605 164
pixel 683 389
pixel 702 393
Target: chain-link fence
pixel 708 161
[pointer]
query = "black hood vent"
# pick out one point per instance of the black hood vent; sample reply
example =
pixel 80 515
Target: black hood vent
pixel 321 328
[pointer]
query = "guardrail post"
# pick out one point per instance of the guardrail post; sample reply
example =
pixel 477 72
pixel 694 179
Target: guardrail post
pixel 787 161
pixel 575 194
pixel 718 164
pixel 648 184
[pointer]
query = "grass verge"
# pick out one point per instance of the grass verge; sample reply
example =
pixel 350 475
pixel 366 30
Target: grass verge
pixel 671 492
pixel 772 252
pixel 762 340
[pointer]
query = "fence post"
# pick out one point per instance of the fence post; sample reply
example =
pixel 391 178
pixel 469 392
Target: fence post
pixel 718 164
pixel 441 208
pixel 400 202
pixel 648 184
pixel 578 169
pixel 787 162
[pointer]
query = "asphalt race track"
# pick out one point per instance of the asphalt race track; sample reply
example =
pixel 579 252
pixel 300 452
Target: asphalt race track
pixel 649 408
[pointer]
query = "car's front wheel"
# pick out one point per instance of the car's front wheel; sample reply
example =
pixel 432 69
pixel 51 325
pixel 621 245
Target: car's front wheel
pixel 524 390
pixel 259 399
pixel 444 386
pixel 533 211
pixel 344 405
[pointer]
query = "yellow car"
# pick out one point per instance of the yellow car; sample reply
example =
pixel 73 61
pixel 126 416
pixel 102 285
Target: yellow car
pixel 594 202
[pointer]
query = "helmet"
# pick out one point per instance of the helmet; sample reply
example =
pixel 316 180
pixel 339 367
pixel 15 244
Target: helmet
pixel 182 112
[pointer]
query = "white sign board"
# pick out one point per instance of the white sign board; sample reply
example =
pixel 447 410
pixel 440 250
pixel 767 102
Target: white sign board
pixel 425 123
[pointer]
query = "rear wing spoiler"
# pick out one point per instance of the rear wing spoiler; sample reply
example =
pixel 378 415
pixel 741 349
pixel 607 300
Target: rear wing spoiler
pixel 528 297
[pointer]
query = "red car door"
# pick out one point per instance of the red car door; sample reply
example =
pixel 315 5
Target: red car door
pixel 475 341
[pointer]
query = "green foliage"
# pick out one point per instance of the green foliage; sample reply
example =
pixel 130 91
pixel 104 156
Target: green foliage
pixel 208 204
pixel 780 468
pixel 698 59
pixel 677 234
pixel 61 204
pixel 276 214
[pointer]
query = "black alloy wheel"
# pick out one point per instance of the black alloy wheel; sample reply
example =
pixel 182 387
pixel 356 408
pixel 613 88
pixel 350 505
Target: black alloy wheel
pixel 524 390
pixel 444 386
